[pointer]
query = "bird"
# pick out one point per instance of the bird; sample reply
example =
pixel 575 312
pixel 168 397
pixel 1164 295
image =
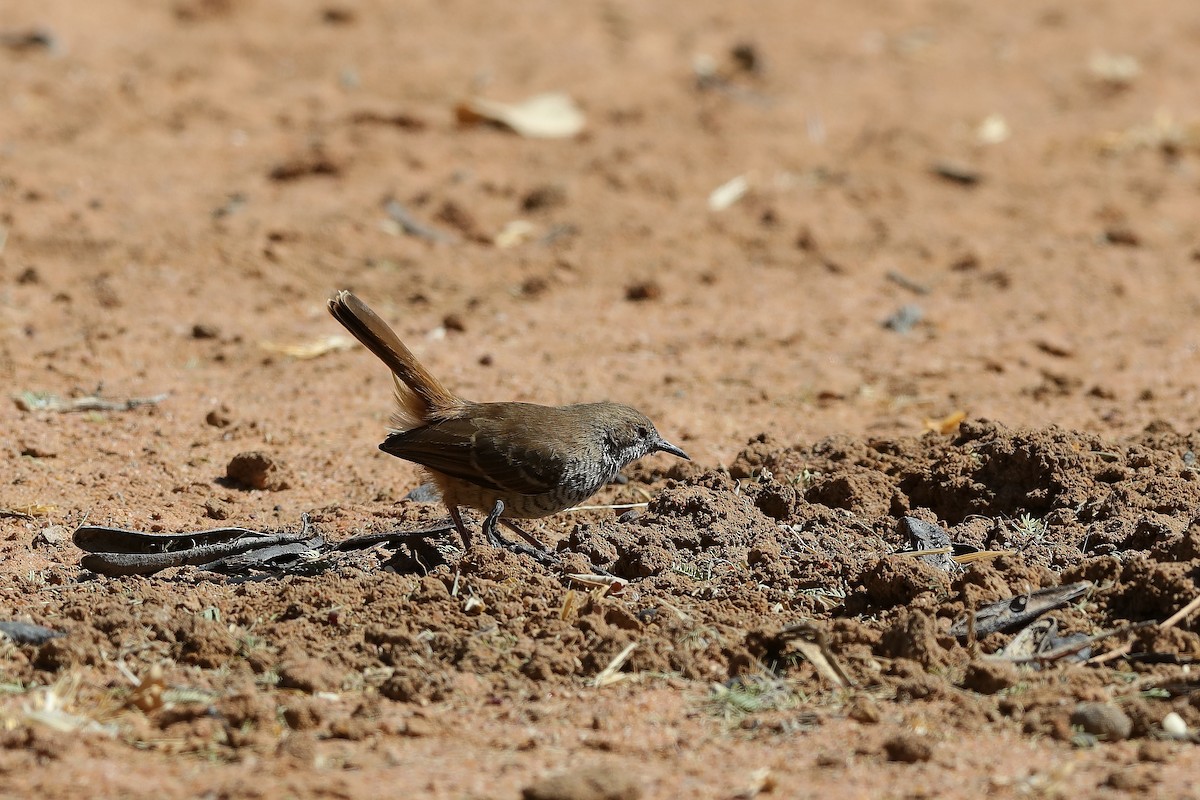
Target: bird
pixel 509 460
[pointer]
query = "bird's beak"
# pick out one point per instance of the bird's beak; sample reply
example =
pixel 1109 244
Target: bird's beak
pixel 666 447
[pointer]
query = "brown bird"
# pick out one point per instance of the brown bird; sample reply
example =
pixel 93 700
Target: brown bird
pixel 508 460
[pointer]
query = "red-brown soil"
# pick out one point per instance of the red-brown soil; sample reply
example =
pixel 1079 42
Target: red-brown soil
pixel 182 185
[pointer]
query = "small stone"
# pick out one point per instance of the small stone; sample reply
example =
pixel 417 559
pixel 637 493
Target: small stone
pixel 957 172
pixel 908 748
pixel 1055 346
pixel 219 417
pixel 905 318
pixel 257 470
pixel 1174 726
pixel 202 330
pixel 57 534
pixel 585 783
pixel 454 322
pixel 643 291
pixel 1102 720
pixel 534 286
pixel 27 632
pixel 544 197
pixel 1122 235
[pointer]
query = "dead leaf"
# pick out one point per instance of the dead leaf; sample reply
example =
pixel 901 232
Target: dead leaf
pixel 728 193
pixel 516 232
pixel 553 115
pixel 947 424
pixel 306 350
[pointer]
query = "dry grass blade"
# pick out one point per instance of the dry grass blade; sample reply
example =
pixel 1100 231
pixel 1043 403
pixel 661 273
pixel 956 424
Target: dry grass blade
pixel 28 511
pixel 49 706
pixel 570 600
pixel 946 425
pixel 607 507
pixel 1167 624
pixel 982 555
pixel 36 401
pixel 612 673
pixel 1181 614
pixel 810 641
pixel 553 115
pixel 936 551
pixel 610 582
pixel 306 350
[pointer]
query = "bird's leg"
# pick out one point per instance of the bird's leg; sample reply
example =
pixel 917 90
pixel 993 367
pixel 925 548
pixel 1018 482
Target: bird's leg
pixel 489 524
pixel 493 536
pixel 459 526
pixel 512 526
pixel 536 552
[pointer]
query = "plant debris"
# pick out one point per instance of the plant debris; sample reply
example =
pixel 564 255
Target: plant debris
pixel 552 115
pixel 27 632
pixel 313 349
pixel 1015 612
pixel 40 401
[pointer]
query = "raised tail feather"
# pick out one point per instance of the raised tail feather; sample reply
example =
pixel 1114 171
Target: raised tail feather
pixel 426 395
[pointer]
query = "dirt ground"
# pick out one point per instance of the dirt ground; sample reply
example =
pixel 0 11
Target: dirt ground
pixel 932 211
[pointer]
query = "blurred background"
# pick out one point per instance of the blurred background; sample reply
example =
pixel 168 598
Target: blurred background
pixel 867 218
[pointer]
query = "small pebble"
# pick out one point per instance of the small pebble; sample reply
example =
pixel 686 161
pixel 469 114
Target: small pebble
pixel 1174 726
pixel 57 534
pixel 642 291
pixel 905 318
pixel 957 172
pixel 1102 720
pixel 202 330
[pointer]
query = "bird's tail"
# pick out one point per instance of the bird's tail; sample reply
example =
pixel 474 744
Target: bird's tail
pixel 418 393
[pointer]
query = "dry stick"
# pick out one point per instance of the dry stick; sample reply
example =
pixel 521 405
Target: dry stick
pixel 1169 622
pixel 606 507
pixel 1181 614
pixel 936 551
pixel 611 673
pixel 967 558
pixel 1050 656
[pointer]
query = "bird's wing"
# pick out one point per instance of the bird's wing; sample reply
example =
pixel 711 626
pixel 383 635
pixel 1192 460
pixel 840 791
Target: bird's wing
pixel 467 448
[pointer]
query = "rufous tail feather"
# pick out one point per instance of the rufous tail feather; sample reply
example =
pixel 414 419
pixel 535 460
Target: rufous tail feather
pixel 418 394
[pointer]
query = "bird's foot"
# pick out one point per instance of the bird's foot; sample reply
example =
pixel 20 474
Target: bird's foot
pixel 534 550
pixel 489 524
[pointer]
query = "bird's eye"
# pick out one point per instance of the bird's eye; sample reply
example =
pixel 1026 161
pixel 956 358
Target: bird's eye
pixel 642 433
